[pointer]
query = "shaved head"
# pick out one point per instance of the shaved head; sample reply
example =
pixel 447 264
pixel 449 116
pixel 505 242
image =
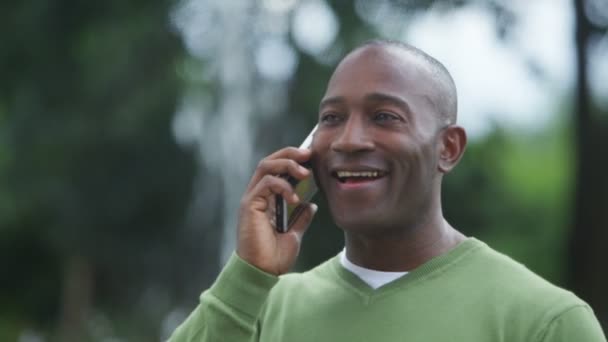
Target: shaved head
pixel 445 96
pixel 388 109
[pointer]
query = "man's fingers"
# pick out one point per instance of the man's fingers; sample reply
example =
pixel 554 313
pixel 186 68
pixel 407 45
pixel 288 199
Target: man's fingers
pixel 297 154
pixel 278 167
pixel 283 166
pixel 273 185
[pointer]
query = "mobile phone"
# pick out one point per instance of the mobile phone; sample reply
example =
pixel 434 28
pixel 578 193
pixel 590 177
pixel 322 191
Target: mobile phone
pixel 286 214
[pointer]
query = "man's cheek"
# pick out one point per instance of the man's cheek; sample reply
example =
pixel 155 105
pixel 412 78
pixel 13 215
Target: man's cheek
pixel 319 182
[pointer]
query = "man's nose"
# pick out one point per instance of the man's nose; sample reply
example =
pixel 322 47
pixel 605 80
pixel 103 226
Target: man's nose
pixel 353 137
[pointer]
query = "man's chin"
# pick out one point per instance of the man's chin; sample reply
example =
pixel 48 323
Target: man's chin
pixel 357 221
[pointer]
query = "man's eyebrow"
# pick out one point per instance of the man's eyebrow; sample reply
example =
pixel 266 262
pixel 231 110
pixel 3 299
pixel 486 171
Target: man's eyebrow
pixel 373 97
pixel 382 97
pixel 331 100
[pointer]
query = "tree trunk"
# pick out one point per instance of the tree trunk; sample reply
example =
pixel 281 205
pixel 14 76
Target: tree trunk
pixel 588 252
pixel 76 300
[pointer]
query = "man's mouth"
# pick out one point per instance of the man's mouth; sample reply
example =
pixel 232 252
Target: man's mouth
pixel 352 177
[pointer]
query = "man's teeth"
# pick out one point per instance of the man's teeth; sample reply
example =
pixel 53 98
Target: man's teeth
pixel 370 174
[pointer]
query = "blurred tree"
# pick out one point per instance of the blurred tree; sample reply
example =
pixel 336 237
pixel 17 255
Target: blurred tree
pixel 94 188
pixel 589 231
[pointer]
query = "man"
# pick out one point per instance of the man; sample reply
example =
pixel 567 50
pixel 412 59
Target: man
pixel 387 134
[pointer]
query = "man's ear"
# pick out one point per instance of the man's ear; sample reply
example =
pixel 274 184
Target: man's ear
pixel 453 141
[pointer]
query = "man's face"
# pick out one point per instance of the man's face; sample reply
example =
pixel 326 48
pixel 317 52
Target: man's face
pixel 375 151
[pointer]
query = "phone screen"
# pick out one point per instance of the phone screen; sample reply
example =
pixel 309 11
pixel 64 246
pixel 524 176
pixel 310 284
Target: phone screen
pixel 286 214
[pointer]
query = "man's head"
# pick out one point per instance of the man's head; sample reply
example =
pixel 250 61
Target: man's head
pixel 446 99
pixel 386 136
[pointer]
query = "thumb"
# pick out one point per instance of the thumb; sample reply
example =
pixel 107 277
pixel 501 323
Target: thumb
pixel 303 221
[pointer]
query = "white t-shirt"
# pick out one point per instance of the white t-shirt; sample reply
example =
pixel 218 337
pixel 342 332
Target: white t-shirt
pixel 373 278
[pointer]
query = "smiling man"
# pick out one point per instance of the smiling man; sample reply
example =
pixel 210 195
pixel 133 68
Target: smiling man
pixel 387 135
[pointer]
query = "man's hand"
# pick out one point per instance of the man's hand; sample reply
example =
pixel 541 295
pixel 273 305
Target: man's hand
pixel 258 241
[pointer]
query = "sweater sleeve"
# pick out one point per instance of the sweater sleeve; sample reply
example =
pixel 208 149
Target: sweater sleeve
pixel 229 310
pixel 578 323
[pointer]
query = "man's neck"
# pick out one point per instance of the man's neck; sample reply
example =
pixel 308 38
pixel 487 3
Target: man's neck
pixel 403 252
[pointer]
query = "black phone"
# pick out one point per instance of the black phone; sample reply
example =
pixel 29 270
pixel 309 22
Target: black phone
pixel 286 214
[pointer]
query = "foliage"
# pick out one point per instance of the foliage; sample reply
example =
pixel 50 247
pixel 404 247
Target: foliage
pixel 88 163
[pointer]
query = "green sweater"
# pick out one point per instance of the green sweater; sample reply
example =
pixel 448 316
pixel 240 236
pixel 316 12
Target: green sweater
pixel 471 293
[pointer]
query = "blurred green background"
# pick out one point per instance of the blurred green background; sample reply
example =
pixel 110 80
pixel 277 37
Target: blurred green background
pixel 130 128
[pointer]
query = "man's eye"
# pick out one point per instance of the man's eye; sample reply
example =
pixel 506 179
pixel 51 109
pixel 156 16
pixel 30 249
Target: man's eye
pixel 329 118
pixel 385 117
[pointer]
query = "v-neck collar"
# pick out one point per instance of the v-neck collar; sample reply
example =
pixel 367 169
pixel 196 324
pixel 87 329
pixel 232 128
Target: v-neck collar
pixel 416 275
